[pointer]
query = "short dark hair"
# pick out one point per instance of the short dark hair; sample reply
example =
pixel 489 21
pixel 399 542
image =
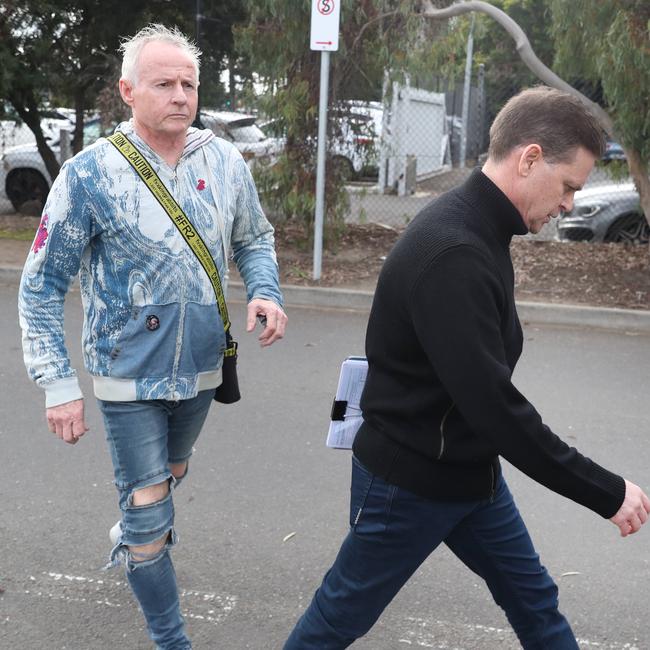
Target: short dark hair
pixel 555 120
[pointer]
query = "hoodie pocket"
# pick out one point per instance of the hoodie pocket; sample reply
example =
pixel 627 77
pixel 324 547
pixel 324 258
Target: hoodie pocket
pixel 147 344
pixel 204 340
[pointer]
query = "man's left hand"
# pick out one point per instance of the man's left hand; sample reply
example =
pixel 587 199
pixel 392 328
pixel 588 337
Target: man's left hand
pixel 271 316
pixel 634 511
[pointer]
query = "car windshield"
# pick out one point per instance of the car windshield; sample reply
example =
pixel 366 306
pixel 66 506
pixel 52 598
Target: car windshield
pixel 251 133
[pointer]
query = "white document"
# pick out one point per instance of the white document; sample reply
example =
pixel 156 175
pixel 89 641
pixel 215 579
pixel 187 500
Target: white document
pixel 346 406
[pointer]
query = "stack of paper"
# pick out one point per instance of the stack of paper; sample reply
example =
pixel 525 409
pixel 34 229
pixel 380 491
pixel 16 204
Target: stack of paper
pixel 346 412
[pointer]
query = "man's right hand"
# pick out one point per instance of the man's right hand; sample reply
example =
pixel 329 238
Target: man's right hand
pixel 67 421
pixel 634 511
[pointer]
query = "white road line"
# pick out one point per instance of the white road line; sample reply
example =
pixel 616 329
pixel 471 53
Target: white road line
pixel 427 634
pixel 197 605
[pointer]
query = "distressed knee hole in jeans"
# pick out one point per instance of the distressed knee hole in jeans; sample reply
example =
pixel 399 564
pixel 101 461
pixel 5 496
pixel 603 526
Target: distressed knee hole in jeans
pixel 135 559
pixel 143 525
pixel 175 481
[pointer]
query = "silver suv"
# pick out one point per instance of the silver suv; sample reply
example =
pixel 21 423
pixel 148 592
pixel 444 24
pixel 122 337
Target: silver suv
pixel 605 213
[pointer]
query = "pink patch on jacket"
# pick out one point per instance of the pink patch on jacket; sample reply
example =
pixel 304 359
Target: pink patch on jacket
pixel 201 184
pixel 41 235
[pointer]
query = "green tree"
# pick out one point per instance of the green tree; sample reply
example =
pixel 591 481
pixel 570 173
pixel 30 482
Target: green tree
pixel 505 72
pixel 608 44
pixel 276 42
pixel 216 39
pixel 65 50
pixel 25 48
pixel 605 43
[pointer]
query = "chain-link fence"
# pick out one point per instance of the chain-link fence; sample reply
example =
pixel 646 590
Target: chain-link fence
pixel 430 140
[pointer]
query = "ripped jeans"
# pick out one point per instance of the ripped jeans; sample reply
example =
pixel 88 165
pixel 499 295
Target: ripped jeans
pixel 144 438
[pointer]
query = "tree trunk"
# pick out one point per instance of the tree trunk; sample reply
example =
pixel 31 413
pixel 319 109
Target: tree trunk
pixel 28 111
pixel 638 167
pixel 232 94
pixel 639 172
pixel 78 139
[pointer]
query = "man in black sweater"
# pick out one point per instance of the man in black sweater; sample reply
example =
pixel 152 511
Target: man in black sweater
pixel 439 406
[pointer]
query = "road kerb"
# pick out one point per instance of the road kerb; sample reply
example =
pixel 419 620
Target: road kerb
pixel 625 320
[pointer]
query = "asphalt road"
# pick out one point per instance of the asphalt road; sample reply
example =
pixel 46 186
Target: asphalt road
pixel 261 473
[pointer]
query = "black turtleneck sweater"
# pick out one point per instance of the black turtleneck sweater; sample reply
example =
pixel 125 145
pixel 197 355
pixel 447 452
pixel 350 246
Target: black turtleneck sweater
pixel 443 339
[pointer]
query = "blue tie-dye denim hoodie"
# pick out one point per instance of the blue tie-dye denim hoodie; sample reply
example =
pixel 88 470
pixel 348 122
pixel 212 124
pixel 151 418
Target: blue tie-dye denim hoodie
pixel 151 326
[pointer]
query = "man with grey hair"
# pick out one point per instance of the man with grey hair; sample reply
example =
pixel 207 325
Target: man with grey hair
pixel 153 337
pixel 439 406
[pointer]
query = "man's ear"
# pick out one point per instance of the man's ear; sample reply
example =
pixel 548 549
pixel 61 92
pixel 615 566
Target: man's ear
pixel 531 155
pixel 126 91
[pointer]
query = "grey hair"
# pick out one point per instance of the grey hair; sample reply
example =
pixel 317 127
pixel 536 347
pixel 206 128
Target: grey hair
pixel 131 48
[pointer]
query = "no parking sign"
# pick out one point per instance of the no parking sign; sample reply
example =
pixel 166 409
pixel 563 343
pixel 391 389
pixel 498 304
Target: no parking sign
pixel 325 16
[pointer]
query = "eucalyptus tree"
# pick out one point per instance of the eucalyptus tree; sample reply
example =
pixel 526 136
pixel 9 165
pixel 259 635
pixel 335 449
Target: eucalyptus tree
pixel 604 43
pixel 65 50
pixel 373 38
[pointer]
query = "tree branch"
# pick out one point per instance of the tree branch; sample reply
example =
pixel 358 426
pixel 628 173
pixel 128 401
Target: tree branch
pixel 524 49
pixel 368 24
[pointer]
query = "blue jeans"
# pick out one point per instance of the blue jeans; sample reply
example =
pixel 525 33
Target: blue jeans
pixel 144 438
pixel 392 533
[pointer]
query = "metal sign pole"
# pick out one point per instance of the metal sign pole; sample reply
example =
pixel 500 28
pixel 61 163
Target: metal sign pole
pixel 324 37
pixel 320 163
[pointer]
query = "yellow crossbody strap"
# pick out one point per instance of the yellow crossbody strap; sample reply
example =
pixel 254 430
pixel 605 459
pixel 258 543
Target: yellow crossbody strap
pixel 179 219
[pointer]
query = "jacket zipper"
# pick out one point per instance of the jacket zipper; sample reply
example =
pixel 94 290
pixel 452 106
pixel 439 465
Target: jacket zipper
pixel 181 318
pixel 493 481
pixel 442 431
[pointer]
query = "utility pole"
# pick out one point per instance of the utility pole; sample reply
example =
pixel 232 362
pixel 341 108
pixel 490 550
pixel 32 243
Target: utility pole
pixel 197 39
pixel 466 91
pixel 480 109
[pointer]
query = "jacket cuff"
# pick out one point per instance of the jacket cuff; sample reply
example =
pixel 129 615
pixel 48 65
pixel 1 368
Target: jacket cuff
pixel 61 391
pixel 278 298
pixel 614 484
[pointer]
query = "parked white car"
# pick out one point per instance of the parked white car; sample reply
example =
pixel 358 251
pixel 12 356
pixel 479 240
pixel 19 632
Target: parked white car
pixel 356 138
pixel 14 132
pixel 24 179
pixel 242 130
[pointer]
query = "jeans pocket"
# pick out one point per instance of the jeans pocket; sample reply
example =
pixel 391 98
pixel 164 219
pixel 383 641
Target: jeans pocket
pixel 370 500
pixel 360 485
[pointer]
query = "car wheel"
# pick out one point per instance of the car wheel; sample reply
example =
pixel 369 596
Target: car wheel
pixel 343 168
pixel 629 229
pixel 27 190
